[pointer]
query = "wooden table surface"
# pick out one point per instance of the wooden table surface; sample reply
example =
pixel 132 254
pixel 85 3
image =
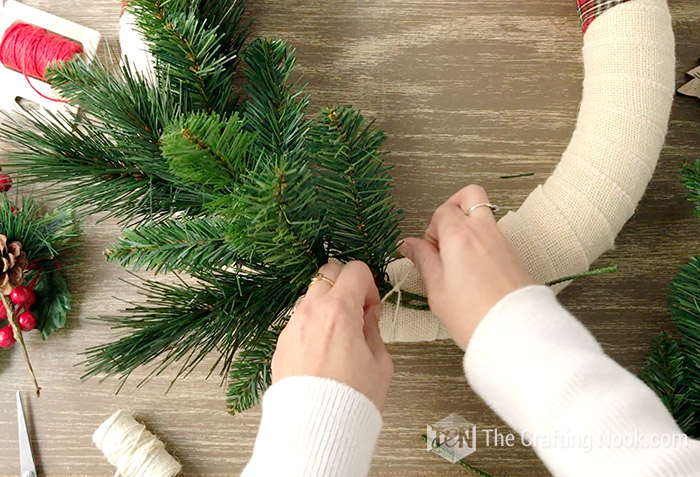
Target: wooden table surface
pixel 466 91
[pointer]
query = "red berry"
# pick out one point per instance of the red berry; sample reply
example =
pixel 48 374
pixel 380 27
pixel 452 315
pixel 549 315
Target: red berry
pixel 5 182
pixel 7 337
pixel 31 298
pixel 27 321
pixel 20 295
pixel 3 312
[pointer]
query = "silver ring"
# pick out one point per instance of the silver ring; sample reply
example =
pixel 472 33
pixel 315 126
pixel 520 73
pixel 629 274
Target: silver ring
pixel 494 208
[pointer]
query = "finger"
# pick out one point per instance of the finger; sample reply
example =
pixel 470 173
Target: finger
pixel 448 217
pixel 321 287
pixel 469 196
pixel 426 258
pixel 371 330
pixel 356 283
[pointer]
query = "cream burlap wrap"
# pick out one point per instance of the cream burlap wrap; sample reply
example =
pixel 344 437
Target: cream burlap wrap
pixel 568 222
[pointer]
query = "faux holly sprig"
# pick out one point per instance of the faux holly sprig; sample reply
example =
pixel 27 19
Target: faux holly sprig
pixel 21 319
pixel 33 292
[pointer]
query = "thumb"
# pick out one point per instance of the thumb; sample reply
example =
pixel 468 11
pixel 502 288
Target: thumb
pixel 426 258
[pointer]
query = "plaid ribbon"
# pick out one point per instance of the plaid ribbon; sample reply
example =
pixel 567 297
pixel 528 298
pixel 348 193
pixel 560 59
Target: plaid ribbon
pixel 589 10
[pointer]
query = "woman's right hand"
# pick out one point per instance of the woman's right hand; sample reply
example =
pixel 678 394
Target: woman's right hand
pixel 467 264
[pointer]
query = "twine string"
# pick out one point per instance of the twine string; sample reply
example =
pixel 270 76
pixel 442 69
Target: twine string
pixel 29 50
pixel 133 449
pixel 396 289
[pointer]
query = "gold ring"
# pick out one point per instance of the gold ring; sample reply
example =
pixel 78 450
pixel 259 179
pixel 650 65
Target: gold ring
pixel 320 277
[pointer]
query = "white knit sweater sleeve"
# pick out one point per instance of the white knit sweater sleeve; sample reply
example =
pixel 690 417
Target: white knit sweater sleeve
pixel 314 427
pixel 535 365
pixel 541 371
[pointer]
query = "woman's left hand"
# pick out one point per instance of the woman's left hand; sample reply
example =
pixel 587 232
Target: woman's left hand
pixel 334 333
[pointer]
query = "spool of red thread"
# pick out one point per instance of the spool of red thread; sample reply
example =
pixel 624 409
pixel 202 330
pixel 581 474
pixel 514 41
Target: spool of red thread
pixel 30 49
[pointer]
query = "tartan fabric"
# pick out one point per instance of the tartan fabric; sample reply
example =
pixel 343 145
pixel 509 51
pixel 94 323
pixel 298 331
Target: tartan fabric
pixel 589 10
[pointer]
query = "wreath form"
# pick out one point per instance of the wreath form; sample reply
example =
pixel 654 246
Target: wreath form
pixel 565 224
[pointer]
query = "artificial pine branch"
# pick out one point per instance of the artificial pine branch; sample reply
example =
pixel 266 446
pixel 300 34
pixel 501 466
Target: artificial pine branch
pixel 92 173
pixel 177 245
pixel 183 324
pixel 275 106
pixel 587 273
pixel 243 197
pixel 684 303
pixel 354 182
pixel 667 374
pixel 251 372
pixel 276 206
pixel 673 365
pixel 273 215
pixel 43 234
pixel 194 61
pixel 691 179
pixel 207 150
pixel 124 105
pixel 226 17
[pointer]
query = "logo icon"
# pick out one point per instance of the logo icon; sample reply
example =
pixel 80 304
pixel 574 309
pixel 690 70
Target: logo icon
pixel 452 438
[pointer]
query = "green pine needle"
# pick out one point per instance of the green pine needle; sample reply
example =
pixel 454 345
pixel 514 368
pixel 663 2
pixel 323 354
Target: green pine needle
pixel 177 245
pixel 207 150
pixel 251 372
pixel 589 273
pixel 515 176
pixel 691 179
pixel 184 323
pixel 668 375
pixel 194 60
pixel 354 182
pixel 673 365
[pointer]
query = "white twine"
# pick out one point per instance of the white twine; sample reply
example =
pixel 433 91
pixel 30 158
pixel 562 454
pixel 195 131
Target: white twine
pixel 396 289
pixel 133 449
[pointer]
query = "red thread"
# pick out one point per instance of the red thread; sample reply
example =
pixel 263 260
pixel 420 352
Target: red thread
pixel 30 50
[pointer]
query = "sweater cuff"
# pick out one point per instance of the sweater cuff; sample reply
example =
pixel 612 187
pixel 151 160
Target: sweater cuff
pixel 315 426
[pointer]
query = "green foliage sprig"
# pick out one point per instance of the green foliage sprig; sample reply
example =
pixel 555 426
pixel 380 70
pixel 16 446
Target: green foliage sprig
pixel 43 235
pixel 672 369
pixel 46 238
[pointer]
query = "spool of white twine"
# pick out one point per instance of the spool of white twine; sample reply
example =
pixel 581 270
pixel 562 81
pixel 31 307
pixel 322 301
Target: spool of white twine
pixel 133 449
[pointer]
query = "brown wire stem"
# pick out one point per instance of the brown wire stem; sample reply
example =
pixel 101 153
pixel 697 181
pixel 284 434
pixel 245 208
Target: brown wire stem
pixel 20 339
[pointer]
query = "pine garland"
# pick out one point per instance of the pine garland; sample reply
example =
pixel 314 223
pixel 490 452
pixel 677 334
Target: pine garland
pixel 672 369
pixel 239 187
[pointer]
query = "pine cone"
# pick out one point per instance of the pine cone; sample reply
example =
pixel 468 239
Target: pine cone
pixel 13 263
